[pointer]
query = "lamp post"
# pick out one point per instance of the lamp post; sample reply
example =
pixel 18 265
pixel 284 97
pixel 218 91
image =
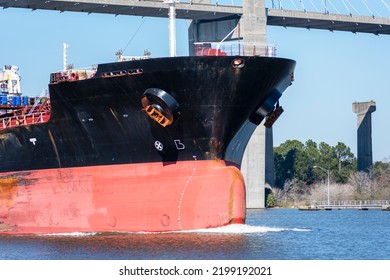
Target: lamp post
pixel 328 172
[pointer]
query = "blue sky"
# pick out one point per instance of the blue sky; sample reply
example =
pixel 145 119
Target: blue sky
pixel 333 69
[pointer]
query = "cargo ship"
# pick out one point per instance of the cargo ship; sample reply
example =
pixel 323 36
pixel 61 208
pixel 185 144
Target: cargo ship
pixel 138 145
pixel 145 145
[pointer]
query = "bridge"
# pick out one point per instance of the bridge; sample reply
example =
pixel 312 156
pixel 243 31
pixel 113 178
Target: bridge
pixel 206 10
pixel 211 20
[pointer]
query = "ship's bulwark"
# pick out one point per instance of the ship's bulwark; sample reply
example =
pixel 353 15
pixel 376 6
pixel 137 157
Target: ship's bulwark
pixel 102 164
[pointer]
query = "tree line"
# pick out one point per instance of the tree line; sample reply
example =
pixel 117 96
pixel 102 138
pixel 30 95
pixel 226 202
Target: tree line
pixel 301 167
pixel 296 160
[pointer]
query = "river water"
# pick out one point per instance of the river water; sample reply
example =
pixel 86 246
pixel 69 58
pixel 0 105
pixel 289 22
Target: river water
pixel 271 234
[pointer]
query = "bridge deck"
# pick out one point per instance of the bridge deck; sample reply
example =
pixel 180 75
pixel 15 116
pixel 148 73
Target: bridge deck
pixel 340 22
pixel 150 8
pixel 196 11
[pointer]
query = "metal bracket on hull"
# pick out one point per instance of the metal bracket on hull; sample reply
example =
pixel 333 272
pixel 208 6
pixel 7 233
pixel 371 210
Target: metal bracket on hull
pixel 266 108
pixel 156 115
pixel 273 116
pixel 160 106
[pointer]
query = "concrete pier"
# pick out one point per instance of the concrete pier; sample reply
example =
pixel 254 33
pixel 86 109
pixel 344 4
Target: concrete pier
pixel 258 166
pixel 253 27
pixel 364 141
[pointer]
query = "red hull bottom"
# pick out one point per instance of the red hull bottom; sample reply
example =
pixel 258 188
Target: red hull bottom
pixel 149 197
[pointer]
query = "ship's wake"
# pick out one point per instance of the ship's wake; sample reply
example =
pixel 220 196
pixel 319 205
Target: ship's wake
pixel 229 229
pixel 246 229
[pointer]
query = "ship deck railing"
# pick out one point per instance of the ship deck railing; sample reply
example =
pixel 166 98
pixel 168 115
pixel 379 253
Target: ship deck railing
pixel 27 115
pixel 233 49
pixel 23 120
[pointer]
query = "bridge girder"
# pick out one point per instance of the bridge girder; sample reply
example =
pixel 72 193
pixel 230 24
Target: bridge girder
pixel 332 22
pixel 201 11
pixel 152 8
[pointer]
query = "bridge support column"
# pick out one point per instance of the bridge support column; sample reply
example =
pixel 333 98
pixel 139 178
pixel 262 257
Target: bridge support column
pixel 364 141
pixel 253 27
pixel 257 165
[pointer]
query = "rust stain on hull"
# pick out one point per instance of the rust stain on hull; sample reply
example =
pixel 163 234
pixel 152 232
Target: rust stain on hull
pixel 8 190
pixel 8 194
pixel 4 227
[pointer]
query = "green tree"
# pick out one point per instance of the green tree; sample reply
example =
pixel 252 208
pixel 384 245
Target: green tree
pixel 294 161
pixel 271 200
pixel 285 158
pixel 327 156
pixel 346 163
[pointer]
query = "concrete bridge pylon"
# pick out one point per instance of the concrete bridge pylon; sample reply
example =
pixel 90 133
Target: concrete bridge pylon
pixel 364 141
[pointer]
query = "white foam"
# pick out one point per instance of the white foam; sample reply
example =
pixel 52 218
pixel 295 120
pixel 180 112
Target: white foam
pixel 229 229
pixel 243 228
pixel 69 234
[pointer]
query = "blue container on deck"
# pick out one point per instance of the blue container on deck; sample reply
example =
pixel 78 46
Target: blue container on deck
pixel 13 101
pixel 18 101
pixel 3 99
pixel 25 100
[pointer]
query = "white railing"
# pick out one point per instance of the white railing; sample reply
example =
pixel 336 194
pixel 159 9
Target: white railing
pixel 22 120
pixel 233 48
pixel 352 203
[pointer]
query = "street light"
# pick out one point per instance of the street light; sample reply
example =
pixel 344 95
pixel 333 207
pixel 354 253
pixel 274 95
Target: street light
pixel 328 172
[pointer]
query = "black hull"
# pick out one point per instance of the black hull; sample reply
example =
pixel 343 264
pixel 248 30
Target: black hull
pixel 101 121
